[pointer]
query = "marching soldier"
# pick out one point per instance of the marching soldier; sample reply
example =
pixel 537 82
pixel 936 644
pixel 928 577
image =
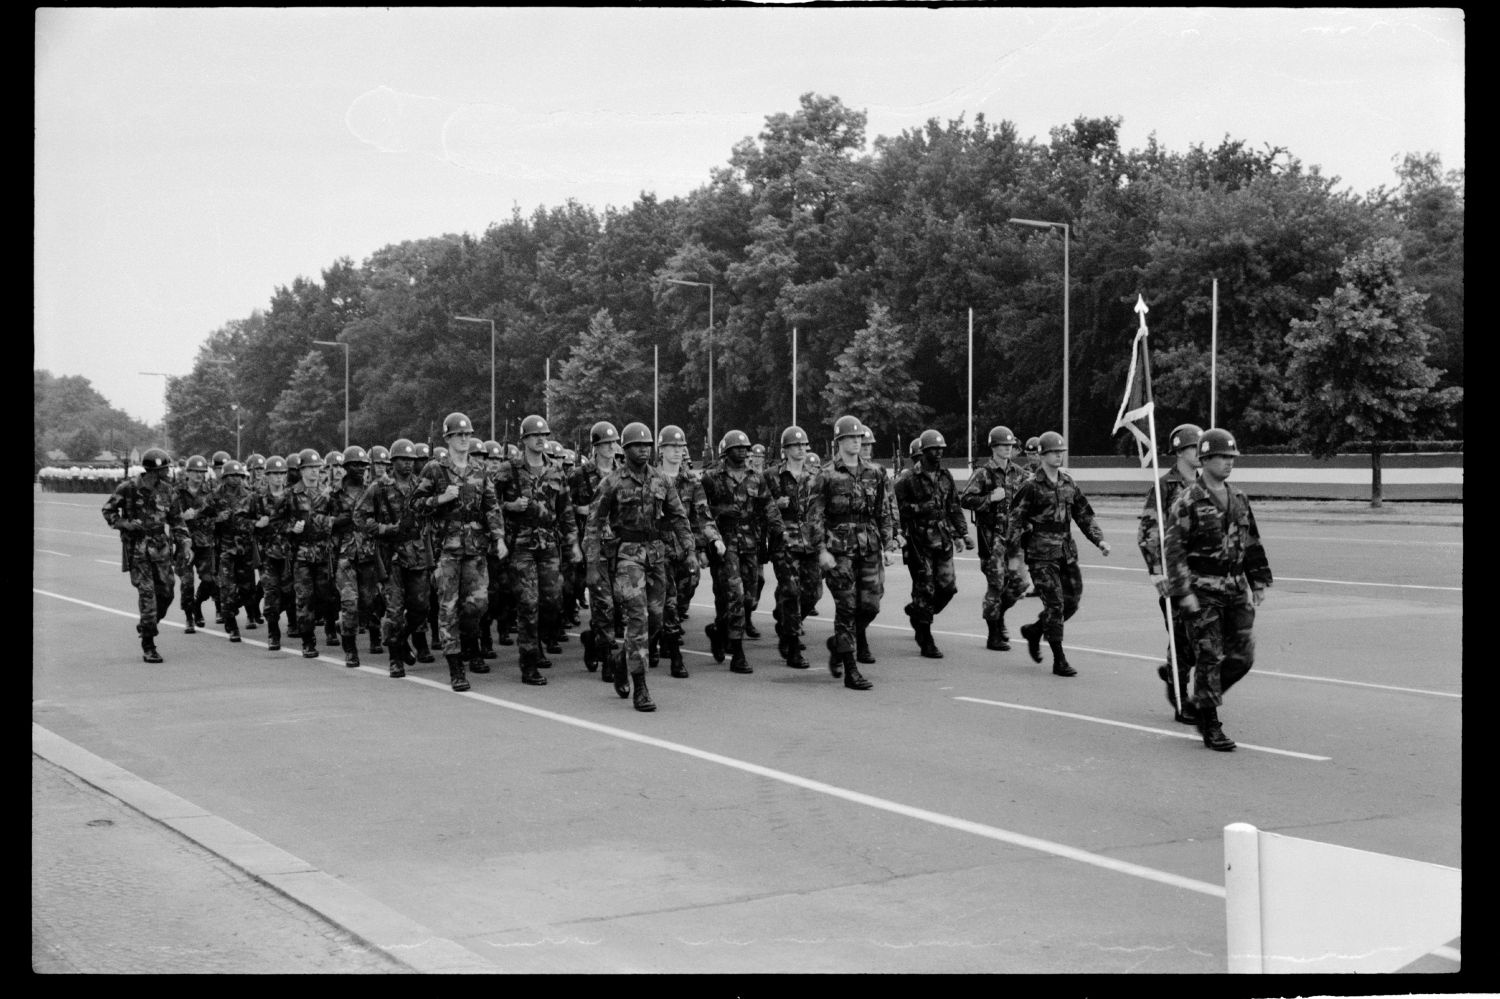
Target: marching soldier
pixel 255 476
pixel 386 511
pixel 745 513
pixel 683 567
pixel 850 522
pixel 599 638
pixel 492 457
pixel 1183 443
pixel 460 503
pixel 275 569
pixel 300 517
pixel 192 496
pixel 799 580
pixel 355 576
pixel 989 493
pixel 145 510
pixel 1044 507
pixel 424 455
pixel 932 520
pixel 232 511
pixel 636 501
pixel 1219 574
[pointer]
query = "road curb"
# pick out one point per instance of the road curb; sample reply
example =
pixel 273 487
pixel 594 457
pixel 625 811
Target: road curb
pixel 373 922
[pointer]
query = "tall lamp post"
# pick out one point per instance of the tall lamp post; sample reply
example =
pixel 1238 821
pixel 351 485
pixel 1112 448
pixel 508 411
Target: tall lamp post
pixel 1066 229
pixel 710 287
pixel 340 343
pixel 476 319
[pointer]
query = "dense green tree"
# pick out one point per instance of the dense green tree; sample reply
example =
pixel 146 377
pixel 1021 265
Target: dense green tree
pixel 608 377
pixel 307 414
pixel 869 380
pixel 63 407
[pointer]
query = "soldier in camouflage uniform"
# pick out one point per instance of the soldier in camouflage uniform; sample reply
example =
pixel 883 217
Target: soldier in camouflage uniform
pixel 683 567
pixel 637 502
pixel 356 574
pixel 275 567
pixel 193 494
pixel 1183 444
pixel 232 511
pixel 540 523
pixel 1044 507
pixel 990 492
pixel 1218 572
pixel 850 521
pixel 932 520
pixel 255 481
pixel 745 513
pixel 799 580
pixel 491 457
pixel 293 517
pixel 386 513
pixel 599 639
pixel 145 511
pixel 757 463
pixel 460 503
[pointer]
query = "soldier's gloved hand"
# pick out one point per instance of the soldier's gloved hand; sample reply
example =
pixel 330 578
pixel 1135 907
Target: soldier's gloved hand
pixel 1104 547
pixel 263 521
pixel 1189 603
pixel 719 547
pixel 127 525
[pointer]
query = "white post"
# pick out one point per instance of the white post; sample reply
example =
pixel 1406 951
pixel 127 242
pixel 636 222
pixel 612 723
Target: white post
pixel 547 392
pixel 655 390
pixel 794 376
pixel 1242 898
pixel 971 390
pixel 1213 364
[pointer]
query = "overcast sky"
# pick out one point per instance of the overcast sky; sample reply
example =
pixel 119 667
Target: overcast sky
pixel 190 161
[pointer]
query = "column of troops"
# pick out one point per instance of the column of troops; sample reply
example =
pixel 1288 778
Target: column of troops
pixel 476 545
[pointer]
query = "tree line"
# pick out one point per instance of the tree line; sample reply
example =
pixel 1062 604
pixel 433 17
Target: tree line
pixel 875 253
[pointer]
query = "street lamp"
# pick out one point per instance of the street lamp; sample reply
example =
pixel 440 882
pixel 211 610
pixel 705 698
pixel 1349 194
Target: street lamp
pixel 339 343
pixel 476 319
pixel 236 408
pixel 1066 288
pixel 710 287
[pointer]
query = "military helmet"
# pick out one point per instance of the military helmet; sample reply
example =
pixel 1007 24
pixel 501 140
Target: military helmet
pixel 220 457
pixel 793 435
pixel 255 462
pixel 493 450
pixel 671 434
pixel 758 450
pixel 603 432
pixel 511 451
pixel 310 458
pixel 1000 436
pixel 354 455
pixel 1186 435
pixel 439 453
pixel 1033 445
pixel 334 459
pixel 155 459
pixel 847 426
pixel 814 460
pixel 916 447
pixel 294 461
pixel 380 455
pixel 570 457
pixel 232 467
pixel 867 436
pixel 197 463
pixel 275 463
pixel 635 433
pixel 403 448
pixel 554 449
pixel 735 438
pixel 456 423
pixel 1216 443
pixel 931 438
pixel 534 425
pixel 1051 441
pixel 423 452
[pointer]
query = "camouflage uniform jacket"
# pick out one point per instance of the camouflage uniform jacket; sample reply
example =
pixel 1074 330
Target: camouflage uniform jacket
pixel 386 513
pixel 155 509
pixel 549 522
pixel 301 503
pixel 351 539
pixel 468 525
pixel 636 505
pixel 743 508
pixel 1040 516
pixel 1211 548
pixel 201 527
pixel 272 538
pixel 798 490
pixel 232 513
pixel 992 517
pixel 928 505
pixel 849 513
pixel 1148 534
pixel 583 489
pixel 690 491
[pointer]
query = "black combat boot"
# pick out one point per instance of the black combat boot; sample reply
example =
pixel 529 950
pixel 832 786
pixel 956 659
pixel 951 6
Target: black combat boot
pixel 643 701
pixel 793 654
pixel 473 660
pixel 398 657
pixel 530 675
pixel 590 656
pixel 653 652
pixel 673 647
pixel 619 672
pixel 350 642
pixel 1060 665
pixel 273 635
pixel 309 645
pixel 487 644
pixel 750 630
pixel 835 659
pixel 376 648
pixel 331 635
pixel 419 640
pixel 198 613
pixel 148 650
pixel 853 679
pixel 924 641
pixel 502 632
pixel 862 653
pixel 998 641
pixel 717 640
pixel 738 663
pixel 231 625
pixel 190 629
pixel 1033 634
pixel 1213 735
pixel 456 678
pixel 606 656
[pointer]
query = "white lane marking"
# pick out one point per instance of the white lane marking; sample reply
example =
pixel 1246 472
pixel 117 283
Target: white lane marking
pixel 1358 683
pixel 49 551
pixel 1138 728
pixel 81 534
pixel 1279 579
pixel 857 797
pixel 104 561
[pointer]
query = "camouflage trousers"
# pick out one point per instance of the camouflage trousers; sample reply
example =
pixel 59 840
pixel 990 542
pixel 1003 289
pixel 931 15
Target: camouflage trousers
pixel 734 575
pixel 602 617
pixel 1004 586
pixel 358 584
pixel 685 577
pixel 201 563
pixel 799 584
pixel 535 583
pixel 640 591
pixel 857 583
pixel 408 593
pixel 314 592
pixel 236 580
pixel 752 596
pixel 154 581
pixel 1224 645
pixel 1183 641
pixel 461 584
pixel 1060 587
pixel 933 583
pixel 276 588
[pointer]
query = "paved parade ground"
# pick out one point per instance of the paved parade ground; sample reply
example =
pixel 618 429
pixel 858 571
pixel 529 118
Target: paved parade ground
pixel 235 809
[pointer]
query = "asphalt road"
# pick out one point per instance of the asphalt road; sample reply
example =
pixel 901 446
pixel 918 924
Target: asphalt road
pixel 972 814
